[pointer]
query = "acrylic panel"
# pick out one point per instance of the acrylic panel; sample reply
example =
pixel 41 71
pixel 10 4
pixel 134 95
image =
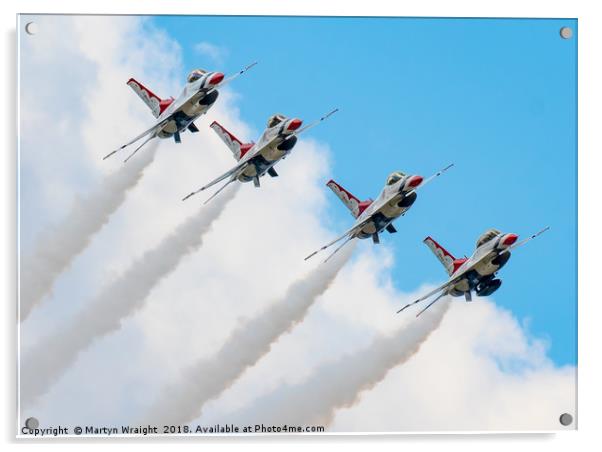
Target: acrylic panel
pixel 296 225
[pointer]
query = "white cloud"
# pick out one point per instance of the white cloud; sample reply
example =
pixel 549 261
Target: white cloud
pixel 216 53
pixel 251 256
pixel 116 301
pixel 478 371
pixel 60 244
pixel 243 248
pixel 182 401
pixel 339 382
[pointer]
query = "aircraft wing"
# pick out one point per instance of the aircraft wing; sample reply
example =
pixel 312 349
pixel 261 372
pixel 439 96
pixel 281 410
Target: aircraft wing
pixel 385 200
pixel 429 179
pixel 315 123
pixel 232 77
pixel 258 149
pixel 522 242
pixel 231 172
pixel 348 234
pixel 442 288
pixel 149 131
pixel 458 277
pixel 181 102
pixel 152 129
pixel 218 86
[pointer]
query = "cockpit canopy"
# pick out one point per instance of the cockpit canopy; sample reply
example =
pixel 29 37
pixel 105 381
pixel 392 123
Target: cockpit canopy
pixel 195 75
pixel 275 120
pixel 487 236
pixel 395 177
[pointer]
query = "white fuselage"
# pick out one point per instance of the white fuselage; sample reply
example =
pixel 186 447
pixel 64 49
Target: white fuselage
pixel 266 153
pixel 384 209
pixel 185 109
pixel 484 263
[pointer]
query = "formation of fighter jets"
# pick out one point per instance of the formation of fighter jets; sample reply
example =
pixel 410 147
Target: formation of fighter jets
pixel 253 160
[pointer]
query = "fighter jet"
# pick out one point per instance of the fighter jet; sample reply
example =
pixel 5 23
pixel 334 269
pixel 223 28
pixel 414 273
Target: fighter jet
pixel 174 116
pixel 476 272
pixel 257 159
pixel 372 217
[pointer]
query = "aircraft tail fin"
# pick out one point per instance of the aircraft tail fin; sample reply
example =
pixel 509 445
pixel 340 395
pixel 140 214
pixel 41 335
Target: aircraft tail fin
pixel 238 148
pixel 353 204
pixel 450 263
pixel 154 102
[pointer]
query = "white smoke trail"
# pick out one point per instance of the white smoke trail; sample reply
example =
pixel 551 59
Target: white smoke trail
pixel 60 244
pixel 52 356
pixel 339 384
pixel 206 379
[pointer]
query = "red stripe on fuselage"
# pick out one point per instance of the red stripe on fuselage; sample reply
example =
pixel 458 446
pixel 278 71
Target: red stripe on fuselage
pixel 244 148
pixel 458 263
pixel 364 205
pixel 163 104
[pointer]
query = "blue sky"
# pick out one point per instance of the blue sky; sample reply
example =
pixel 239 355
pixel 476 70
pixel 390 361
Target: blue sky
pixel 495 97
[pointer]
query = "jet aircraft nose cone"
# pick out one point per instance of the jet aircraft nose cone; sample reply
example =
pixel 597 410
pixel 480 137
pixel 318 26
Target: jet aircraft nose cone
pixel 510 239
pixel 216 78
pixel 294 124
pixel 415 181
